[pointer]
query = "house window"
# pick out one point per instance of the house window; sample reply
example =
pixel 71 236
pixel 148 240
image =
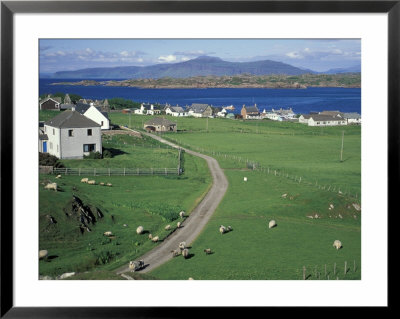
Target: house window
pixel 51 145
pixel 70 132
pixel 102 123
pixel 89 132
pixel 89 147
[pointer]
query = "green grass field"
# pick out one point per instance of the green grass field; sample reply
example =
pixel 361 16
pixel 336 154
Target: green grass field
pixel 251 250
pixel 150 201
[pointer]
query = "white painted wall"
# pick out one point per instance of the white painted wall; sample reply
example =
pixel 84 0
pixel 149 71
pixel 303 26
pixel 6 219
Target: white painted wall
pixel 95 115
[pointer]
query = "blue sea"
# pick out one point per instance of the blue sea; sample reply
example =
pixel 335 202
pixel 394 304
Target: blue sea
pixel 300 100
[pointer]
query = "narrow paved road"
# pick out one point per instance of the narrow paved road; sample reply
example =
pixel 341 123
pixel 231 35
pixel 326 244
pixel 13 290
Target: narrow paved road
pixel 193 224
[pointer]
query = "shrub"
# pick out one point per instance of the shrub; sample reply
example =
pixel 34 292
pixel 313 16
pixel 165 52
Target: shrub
pixel 46 159
pixel 107 154
pixel 93 155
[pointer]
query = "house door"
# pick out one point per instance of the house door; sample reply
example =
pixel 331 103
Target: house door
pixel 44 147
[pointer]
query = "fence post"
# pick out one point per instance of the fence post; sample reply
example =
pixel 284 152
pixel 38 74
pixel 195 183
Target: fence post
pixel 124 171
pixel 345 268
pixel 109 172
pixel 304 272
pixel 79 171
pixel 66 171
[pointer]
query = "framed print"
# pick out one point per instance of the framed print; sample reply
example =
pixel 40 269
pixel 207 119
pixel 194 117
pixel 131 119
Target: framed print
pixel 244 153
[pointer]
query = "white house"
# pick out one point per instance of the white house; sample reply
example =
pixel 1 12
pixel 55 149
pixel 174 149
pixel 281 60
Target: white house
pixel 200 110
pixel 99 117
pixel 222 113
pixel 177 111
pixel 72 135
pixel 147 109
pixel 352 118
pixel 321 120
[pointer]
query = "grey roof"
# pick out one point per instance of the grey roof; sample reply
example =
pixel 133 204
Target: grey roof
pixel 71 119
pixel 251 109
pixel 159 121
pixel 105 114
pixel 352 115
pixel 81 107
pixel 178 109
pixel 322 117
pixel 332 113
pixel 198 108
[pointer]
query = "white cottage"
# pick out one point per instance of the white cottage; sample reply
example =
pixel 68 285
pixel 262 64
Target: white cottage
pixel 72 135
pixel 99 117
pixel 176 111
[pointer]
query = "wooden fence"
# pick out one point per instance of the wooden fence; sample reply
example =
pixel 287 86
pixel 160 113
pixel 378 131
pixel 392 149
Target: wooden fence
pixel 100 171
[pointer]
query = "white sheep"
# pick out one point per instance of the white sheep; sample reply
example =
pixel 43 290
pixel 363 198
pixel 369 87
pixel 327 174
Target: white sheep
pixel 168 227
pixel 43 254
pixel 139 230
pixel 245 179
pixel 190 278
pixel 284 195
pixel 337 244
pixel 150 236
pixel 136 265
pixel 108 233
pixel 222 229
pixel 101 184
pixel 109 184
pixel 51 186
pixel 272 224
pixel 58 176
pixel 175 252
pixel 178 224
pixel 155 239
pixel 207 251
pixel 84 180
pixel 182 214
pixel 182 245
pixel 92 182
pixel 185 253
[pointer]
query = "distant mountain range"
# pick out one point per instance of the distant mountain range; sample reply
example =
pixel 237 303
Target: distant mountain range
pixel 201 66
pixel 353 69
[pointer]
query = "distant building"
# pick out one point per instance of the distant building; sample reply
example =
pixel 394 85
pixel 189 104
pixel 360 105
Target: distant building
pixel 352 118
pixel 176 111
pixel 50 103
pixel 72 135
pixel 321 120
pixel 200 110
pixel 159 124
pixel 250 112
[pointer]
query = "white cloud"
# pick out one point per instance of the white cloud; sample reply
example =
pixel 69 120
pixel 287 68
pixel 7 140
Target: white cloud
pixel 167 58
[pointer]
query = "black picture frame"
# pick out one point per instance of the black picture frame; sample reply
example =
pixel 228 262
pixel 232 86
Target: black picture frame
pixel 9 8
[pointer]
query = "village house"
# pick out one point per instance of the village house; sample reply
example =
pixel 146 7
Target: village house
pixel 321 120
pixel 352 118
pixel 159 124
pixel 222 113
pixel 50 103
pixel 333 113
pixel 147 109
pixel 250 112
pixel 287 114
pixel 176 111
pixel 94 113
pixel 102 104
pixel 72 135
pixel 200 110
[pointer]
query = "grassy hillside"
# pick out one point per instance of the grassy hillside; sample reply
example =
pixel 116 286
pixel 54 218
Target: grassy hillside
pixel 150 201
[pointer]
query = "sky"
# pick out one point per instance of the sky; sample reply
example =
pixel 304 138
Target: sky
pixel 314 54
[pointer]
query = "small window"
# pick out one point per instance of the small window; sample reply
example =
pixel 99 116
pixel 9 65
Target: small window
pixel 89 147
pixel 89 132
pixel 51 145
pixel 102 123
pixel 70 132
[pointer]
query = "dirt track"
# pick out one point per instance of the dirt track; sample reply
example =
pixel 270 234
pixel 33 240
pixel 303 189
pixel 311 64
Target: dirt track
pixel 192 225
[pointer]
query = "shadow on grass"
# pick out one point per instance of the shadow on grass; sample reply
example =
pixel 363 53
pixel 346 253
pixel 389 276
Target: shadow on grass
pixel 189 256
pixel 115 151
